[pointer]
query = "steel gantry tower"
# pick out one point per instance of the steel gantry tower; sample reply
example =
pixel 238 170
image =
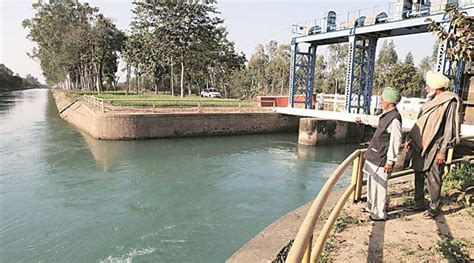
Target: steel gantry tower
pixel 302 75
pixel 360 71
pixel 362 38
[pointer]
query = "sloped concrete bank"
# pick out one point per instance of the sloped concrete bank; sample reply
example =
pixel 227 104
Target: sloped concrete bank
pixel 143 125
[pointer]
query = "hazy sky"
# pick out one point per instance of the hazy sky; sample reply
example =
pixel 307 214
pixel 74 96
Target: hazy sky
pixel 248 23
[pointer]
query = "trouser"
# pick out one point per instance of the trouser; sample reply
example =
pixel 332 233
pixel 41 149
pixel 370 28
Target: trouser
pixel 433 176
pixel 376 190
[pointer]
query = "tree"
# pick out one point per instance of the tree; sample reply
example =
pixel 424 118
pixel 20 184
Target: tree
pixel 407 79
pixel 31 82
pixel 409 59
pixel 320 75
pixel 75 44
pixel 169 33
pixel 386 60
pixel 336 67
pixel 459 47
pixel 425 65
pixel 9 81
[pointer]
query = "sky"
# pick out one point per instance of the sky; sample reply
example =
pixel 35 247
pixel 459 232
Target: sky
pixel 249 23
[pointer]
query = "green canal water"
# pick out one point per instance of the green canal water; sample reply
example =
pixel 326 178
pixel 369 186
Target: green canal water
pixel 66 197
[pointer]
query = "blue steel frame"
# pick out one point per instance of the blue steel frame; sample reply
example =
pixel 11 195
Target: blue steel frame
pixel 310 79
pixel 364 61
pixel 302 74
pixel 350 73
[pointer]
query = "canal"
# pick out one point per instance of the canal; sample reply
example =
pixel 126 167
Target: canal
pixel 66 197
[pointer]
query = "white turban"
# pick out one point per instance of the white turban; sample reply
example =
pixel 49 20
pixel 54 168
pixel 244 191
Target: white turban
pixel 436 80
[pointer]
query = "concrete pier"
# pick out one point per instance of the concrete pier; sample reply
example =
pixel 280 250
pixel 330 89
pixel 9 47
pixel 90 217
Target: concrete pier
pixel 313 131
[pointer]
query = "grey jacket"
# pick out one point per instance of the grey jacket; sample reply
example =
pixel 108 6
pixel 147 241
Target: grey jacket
pixel 443 140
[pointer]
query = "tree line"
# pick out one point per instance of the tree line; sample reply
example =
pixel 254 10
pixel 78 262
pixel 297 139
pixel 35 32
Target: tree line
pixel 268 71
pixel 77 46
pixel 11 81
pixel 180 47
pixel 171 43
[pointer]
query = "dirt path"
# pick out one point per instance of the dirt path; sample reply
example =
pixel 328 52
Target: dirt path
pixel 405 236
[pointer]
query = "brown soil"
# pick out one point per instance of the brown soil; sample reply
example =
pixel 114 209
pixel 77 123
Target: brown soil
pixel 405 236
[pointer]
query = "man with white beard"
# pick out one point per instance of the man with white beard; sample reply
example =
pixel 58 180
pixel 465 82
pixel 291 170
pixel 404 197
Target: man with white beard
pixel 436 129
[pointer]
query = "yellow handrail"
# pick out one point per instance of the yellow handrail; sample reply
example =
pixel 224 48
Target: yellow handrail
pixel 302 248
pixel 323 236
pixel 306 230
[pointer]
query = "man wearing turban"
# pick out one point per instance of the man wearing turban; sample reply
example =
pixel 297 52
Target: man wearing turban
pixel 381 154
pixel 436 129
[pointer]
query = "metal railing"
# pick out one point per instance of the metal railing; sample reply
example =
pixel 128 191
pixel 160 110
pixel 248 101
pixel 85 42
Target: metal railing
pixel 94 101
pixel 303 249
pixel 394 12
pixel 155 103
pixel 337 101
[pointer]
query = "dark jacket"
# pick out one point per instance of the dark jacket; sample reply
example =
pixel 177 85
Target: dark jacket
pixel 378 147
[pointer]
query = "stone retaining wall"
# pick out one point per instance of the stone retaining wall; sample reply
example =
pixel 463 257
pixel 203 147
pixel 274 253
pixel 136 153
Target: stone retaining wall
pixel 118 125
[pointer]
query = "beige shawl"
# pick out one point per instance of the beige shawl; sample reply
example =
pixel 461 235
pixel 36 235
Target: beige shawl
pixel 430 119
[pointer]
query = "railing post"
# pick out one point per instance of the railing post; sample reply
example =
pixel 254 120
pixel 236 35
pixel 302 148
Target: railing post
pixel 355 177
pixel 360 176
pixel 449 159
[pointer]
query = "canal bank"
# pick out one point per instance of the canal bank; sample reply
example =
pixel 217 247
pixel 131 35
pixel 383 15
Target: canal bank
pixel 116 124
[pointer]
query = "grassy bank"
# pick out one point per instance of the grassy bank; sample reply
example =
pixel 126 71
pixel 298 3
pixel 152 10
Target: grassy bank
pixel 163 100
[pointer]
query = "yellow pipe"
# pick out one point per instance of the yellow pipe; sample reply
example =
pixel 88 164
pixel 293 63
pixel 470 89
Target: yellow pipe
pixel 307 227
pixel 323 236
pixel 307 253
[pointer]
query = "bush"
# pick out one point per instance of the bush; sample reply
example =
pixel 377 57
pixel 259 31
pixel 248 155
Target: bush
pixel 452 249
pixel 458 179
pixel 344 221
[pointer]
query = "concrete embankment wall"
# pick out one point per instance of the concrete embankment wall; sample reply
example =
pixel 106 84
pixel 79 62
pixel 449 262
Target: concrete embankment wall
pixel 117 125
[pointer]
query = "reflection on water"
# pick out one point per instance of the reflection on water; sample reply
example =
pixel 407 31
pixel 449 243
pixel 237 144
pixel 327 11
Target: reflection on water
pixel 70 196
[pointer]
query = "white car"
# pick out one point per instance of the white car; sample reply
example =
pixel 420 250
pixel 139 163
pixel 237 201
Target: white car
pixel 210 93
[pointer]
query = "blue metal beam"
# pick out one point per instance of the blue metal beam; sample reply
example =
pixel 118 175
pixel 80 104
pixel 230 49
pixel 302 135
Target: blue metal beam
pixel 350 73
pixel 391 29
pixel 292 89
pixel 310 76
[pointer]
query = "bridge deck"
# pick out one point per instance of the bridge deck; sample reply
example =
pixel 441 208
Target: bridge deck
pixel 407 124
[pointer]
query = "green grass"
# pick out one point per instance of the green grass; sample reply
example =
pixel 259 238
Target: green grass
pixel 327 250
pixel 452 249
pixel 470 211
pixel 150 99
pixel 168 101
pixel 459 178
pixel 344 221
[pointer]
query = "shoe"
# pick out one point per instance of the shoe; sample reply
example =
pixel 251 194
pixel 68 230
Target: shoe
pixel 375 219
pixel 414 208
pixel 364 210
pixel 430 214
